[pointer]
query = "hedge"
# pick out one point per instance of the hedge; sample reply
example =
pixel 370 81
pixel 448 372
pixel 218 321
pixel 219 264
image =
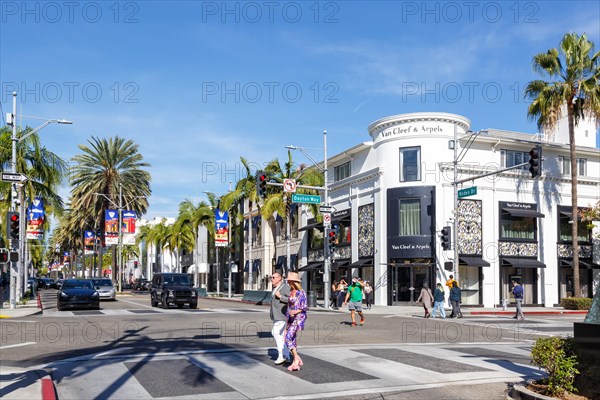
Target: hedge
pixel 576 303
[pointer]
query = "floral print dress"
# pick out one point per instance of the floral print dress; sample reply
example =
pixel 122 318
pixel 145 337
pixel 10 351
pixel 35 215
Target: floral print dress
pixel 295 323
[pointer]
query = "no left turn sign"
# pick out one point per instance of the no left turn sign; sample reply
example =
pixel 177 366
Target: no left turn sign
pixel 289 185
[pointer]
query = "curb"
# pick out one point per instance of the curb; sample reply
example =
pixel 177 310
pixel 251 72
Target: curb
pixel 520 392
pixel 48 389
pixel 554 312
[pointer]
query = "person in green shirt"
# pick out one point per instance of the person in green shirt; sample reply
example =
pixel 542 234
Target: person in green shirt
pixel 355 295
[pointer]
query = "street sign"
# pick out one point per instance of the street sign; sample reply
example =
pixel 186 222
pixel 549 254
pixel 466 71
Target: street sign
pixel 327 209
pixel 289 185
pixel 306 198
pixel 467 192
pixel 13 177
pixel 326 219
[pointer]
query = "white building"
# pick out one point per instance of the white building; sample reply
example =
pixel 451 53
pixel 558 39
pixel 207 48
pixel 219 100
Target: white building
pixel 394 194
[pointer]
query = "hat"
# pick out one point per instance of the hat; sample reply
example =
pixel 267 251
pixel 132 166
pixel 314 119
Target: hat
pixel 293 276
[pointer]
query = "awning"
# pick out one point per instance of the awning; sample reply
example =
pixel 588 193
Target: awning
pixel 311 226
pixel 473 261
pixel 517 262
pixel 339 264
pixel 360 263
pixel 582 263
pixel 310 267
pixel 523 213
pixel 255 265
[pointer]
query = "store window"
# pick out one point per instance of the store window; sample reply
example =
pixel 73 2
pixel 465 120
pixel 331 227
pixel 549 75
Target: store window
pixel 515 227
pixel 566 229
pixel 409 217
pixel 341 172
pixel 410 161
pixel 565 166
pixel 315 237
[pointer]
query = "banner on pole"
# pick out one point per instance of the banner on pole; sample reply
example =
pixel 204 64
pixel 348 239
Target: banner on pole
pixel 35 220
pixel 221 228
pixel 111 227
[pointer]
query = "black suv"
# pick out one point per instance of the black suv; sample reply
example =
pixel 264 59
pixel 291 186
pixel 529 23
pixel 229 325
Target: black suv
pixel 169 288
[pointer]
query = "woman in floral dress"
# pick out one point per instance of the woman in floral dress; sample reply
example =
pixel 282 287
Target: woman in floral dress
pixel 296 316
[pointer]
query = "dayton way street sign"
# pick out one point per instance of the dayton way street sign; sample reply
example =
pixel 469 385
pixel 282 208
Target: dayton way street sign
pixel 467 192
pixel 13 177
pixel 306 198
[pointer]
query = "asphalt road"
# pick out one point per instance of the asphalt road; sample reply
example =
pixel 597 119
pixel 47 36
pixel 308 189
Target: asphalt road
pixel 224 349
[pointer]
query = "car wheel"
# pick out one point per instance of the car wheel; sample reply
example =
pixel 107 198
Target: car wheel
pixel 194 305
pixel 165 303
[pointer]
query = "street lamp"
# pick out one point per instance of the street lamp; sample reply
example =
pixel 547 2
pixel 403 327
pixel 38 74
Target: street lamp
pixel 11 120
pixel 120 232
pixel 326 253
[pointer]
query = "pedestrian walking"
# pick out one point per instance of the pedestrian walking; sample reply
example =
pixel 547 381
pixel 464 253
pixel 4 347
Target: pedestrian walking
pixel 455 299
pixel 449 284
pixel 368 289
pixel 334 294
pixel 354 298
pixel 518 293
pixel 296 316
pixel 426 298
pixel 438 301
pixel 279 303
pixel 341 289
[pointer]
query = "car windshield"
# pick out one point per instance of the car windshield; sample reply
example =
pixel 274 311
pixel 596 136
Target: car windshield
pixel 177 280
pixel 103 282
pixel 77 284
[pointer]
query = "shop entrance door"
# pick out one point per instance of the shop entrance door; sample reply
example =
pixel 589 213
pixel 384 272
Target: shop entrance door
pixel 406 283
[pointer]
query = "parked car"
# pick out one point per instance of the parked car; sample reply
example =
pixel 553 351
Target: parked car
pixel 171 288
pixel 78 293
pixel 59 283
pixel 105 288
pixel 32 285
pixel 141 284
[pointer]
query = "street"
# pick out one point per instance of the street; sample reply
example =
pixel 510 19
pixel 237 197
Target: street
pixel 224 349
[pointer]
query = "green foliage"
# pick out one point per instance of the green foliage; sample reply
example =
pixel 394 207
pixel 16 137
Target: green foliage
pixel 557 356
pixel 576 303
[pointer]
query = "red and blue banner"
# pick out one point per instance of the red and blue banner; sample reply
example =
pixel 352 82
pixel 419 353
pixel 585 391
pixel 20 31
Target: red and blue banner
pixel 221 228
pixel 36 217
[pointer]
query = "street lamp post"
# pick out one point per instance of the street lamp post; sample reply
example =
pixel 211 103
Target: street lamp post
pixel 326 250
pixel 120 232
pixel 16 269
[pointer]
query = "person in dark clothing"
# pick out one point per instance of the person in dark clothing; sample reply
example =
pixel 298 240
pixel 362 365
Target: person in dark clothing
pixel 438 301
pixel 455 298
pixel 518 293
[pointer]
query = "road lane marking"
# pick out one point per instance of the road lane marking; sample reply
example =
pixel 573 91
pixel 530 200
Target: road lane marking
pixel 16 345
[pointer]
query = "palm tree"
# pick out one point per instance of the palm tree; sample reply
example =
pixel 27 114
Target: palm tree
pixel 277 200
pixel 194 216
pixel 157 236
pixel 575 74
pixel 114 168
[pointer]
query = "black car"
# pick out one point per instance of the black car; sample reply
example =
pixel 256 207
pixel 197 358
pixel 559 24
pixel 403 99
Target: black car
pixel 171 288
pixel 140 284
pixel 46 283
pixel 78 293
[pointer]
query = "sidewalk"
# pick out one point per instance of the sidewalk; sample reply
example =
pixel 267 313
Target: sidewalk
pixel 21 310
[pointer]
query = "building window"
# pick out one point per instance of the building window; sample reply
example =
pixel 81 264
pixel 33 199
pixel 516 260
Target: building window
pixel 410 161
pixel 510 158
pixel 565 166
pixel 315 239
pixel 341 172
pixel 410 217
pixel 583 233
pixel 343 230
pixel 513 227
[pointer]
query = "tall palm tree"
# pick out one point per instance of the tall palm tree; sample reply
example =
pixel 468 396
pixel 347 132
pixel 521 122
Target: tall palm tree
pixel 574 71
pixel 277 200
pixel 194 216
pixel 157 236
pixel 114 168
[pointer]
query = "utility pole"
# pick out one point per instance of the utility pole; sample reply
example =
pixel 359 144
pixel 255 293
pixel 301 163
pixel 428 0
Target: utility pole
pixel 120 245
pixel 326 250
pixel 15 266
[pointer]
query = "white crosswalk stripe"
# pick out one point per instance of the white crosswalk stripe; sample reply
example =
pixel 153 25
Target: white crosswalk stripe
pixel 54 313
pixel 251 374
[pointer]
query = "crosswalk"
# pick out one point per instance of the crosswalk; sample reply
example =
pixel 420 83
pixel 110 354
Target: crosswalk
pixel 327 371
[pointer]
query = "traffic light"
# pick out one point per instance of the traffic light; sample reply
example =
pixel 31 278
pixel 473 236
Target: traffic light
pixel 332 239
pixel 535 161
pixel 446 237
pixel 261 184
pixel 13 224
pixel 4 256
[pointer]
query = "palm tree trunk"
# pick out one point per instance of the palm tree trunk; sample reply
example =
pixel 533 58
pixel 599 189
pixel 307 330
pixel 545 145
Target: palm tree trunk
pixel 574 211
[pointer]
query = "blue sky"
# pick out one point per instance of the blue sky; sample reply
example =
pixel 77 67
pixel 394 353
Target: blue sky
pixel 199 84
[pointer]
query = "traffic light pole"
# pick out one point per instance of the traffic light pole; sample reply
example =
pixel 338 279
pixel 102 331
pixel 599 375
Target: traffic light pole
pixel 15 266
